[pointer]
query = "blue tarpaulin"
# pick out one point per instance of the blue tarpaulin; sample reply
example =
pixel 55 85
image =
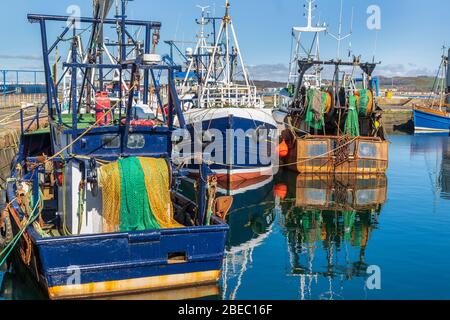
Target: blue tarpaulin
pixel 182 75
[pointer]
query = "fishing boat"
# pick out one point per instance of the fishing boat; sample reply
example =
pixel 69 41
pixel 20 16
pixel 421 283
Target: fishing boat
pixel 434 152
pixel 217 103
pixel 436 117
pixel 335 125
pixel 93 202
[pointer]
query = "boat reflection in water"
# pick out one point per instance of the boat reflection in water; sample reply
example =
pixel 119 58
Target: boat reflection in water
pixel 251 219
pixel 434 150
pixel 328 226
pixel 444 178
pixel 18 285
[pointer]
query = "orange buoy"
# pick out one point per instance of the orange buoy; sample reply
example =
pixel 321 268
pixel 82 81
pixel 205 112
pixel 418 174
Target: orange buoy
pixel 283 149
pixel 280 191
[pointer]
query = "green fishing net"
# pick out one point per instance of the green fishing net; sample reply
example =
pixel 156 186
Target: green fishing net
pixel 349 223
pixel 352 122
pixel 313 118
pixel 135 211
pixel 363 102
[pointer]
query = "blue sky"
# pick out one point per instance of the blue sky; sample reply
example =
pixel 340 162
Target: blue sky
pixel 409 42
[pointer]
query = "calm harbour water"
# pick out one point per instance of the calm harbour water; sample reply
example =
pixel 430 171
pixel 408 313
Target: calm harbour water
pixel 298 248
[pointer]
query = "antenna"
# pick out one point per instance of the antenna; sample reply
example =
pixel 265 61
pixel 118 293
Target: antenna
pixel 312 51
pixel 204 12
pixel 230 61
pixel 375 46
pixel 309 27
pixel 198 60
pixel 339 38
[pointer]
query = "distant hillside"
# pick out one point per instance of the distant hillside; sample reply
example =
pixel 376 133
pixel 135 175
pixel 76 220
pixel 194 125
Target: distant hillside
pixel 410 84
pixel 266 84
pixel 418 84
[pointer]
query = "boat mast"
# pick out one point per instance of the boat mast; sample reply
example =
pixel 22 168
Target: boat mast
pixel 200 51
pixel 440 86
pixel 443 89
pixel 339 38
pixel 300 49
pixel 232 52
pixel 448 78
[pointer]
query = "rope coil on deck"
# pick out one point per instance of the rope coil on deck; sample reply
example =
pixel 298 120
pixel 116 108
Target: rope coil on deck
pixel 25 253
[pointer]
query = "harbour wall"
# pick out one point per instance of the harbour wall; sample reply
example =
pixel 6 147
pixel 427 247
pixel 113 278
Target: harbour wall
pixel 9 142
pixel 398 121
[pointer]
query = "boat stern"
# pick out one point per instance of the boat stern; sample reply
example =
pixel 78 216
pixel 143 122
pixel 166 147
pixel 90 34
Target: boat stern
pixel 130 263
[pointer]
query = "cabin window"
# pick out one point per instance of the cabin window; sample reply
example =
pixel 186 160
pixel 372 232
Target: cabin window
pixel 318 149
pixel 367 150
pixel 136 141
pixel 111 141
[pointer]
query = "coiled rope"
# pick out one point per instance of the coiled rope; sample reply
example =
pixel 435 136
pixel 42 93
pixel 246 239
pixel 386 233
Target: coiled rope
pixel 31 219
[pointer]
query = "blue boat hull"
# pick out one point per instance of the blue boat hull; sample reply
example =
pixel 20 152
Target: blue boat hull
pixel 131 262
pixel 429 121
pixel 244 160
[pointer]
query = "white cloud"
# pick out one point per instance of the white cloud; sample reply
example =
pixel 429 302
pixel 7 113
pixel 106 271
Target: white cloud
pixel 20 57
pixel 273 72
pixel 402 70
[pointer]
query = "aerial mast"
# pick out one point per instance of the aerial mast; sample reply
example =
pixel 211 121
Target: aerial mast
pixel 339 38
pixel 200 49
pixel 448 77
pixel 301 50
pixel 225 29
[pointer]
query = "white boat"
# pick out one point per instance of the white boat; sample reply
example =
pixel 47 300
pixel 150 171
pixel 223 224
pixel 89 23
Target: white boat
pixel 219 102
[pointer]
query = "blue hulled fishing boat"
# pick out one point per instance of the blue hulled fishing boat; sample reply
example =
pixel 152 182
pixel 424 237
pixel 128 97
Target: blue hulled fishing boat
pixel 222 106
pixel 94 206
pixel 431 120
pixel 436 117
